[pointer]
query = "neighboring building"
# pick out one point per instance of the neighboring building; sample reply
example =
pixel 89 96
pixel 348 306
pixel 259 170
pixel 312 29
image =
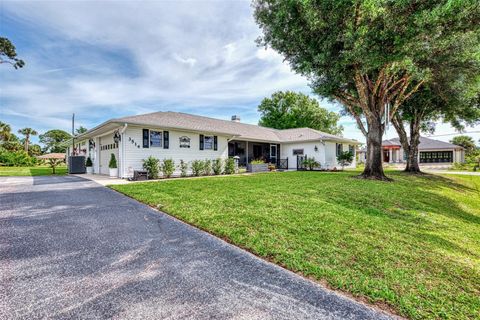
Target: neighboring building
pixel 181 136
pixel 429 152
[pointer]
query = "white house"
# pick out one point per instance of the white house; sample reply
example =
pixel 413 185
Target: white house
pixel 187 137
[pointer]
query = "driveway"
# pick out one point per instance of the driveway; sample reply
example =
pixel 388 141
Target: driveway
pixel 70 248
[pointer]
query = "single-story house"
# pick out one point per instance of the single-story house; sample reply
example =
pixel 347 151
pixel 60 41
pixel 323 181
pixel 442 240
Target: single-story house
pixel 430 152
pixel 187 137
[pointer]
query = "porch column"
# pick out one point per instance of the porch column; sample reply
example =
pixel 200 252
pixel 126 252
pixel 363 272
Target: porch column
pixel 246 152
pixel 96 163
pixel 398 155
pixel 390 158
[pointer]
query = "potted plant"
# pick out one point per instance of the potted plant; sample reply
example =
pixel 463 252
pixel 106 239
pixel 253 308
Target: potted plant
pixel 257 166
pixel 112 165
pixel 89 165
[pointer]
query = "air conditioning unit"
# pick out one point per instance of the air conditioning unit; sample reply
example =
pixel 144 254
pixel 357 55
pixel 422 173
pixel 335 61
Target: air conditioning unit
pixel 76 164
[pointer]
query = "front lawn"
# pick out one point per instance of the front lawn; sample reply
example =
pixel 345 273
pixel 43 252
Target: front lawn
pixel 31 171
pixel 412 245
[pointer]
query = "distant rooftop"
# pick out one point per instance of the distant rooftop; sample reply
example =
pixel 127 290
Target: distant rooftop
pixel 425 144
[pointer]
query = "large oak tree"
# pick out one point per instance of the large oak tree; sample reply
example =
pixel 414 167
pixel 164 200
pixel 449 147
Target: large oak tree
pixel 369 55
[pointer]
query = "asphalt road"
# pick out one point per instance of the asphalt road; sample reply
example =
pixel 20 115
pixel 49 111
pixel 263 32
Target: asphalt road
pixel 70 248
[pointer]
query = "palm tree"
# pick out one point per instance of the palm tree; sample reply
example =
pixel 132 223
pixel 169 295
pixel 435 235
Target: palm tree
pixel 27 132
pixel 5 131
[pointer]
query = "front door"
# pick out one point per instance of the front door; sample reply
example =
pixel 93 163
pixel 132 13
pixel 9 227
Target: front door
pixel 273 153
pixel 257 152
pixel 386 155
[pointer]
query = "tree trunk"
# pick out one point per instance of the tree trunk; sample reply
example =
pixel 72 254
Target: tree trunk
pixel 410 146
pixel 374 166
pixel 412 156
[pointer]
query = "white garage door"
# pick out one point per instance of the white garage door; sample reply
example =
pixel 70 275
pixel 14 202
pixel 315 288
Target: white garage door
pixel 107 147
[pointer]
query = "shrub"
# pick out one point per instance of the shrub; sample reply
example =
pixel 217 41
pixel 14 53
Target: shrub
pixel 257 161
pixel 113 162
pixel 151 164
pixel 16 158
pixel 88 163
pixel 207 167
pixel 168 167
pixel 217 166
pixel 230 166
pixel 197 167
pixel 53 163
pixel 345 158
pixel 310 163
pixel 183 168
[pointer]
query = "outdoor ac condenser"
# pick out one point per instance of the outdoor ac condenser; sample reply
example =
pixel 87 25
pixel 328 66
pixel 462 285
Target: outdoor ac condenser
pixel 76 164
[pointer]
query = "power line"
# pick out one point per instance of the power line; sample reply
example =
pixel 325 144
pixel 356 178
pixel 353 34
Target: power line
pixel 452 134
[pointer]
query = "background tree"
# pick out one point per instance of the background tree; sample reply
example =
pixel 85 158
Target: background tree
pixel 34 150
pixel 345 158
pixel 8 54
pixel 285 110
pixel 55 141
pixel 452 100
pixel 27 133
pixel 5 131
pixel 81 130
pixel 467 142
pixel 369 56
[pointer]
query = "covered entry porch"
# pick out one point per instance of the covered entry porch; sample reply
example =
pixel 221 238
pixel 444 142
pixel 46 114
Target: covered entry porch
pixel 248 151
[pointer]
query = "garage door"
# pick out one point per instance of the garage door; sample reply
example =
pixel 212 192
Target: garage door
pixel 107 147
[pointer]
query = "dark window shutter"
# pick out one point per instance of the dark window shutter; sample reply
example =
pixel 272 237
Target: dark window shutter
pixel 165 140
pixel 201 142
pixel 215 143
pixel 146 139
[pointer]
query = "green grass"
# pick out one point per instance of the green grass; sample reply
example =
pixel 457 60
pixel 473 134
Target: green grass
pixel 412 246
pixel 31 171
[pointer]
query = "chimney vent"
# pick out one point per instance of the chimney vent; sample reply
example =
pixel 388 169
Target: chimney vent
pixel 235 118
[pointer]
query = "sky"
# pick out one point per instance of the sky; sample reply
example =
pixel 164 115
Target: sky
pixel 107 59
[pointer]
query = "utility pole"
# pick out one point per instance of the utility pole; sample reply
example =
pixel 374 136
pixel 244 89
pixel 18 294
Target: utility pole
pixel 73 134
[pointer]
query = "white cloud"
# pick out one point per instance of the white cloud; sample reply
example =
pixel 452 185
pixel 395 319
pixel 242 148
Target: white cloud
pixel 127 57
pixel 102 59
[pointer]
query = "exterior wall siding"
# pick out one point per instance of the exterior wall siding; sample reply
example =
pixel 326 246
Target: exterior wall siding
pixel 326 153
pixel 134 154
pixel 458 155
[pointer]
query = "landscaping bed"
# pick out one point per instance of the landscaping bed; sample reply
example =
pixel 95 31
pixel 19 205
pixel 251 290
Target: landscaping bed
pixel 411 245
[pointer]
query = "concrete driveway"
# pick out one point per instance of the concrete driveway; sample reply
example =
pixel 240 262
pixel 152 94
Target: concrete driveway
pixel 70 248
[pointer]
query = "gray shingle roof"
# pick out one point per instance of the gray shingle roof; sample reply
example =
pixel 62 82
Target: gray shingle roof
pixel 178 120
pixel 425 144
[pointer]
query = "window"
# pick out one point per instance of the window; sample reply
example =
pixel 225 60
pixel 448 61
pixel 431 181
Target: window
pixel 339 148
pixel 156 138
pixel 208 142
pixel 351 149
pixel 298 152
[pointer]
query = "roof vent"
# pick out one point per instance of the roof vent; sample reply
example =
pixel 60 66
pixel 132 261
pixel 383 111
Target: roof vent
pixel 235 118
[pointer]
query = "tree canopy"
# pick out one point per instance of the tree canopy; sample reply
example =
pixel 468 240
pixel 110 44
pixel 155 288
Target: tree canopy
pixel 55 140
pixel 81 130
pixel 465 141
pixel 371 56
pixel 8 54
pixel 285 110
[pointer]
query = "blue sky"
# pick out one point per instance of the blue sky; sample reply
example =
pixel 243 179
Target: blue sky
pixel 105 59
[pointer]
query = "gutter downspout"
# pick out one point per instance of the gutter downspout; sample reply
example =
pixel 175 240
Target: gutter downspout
pixel 123 149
